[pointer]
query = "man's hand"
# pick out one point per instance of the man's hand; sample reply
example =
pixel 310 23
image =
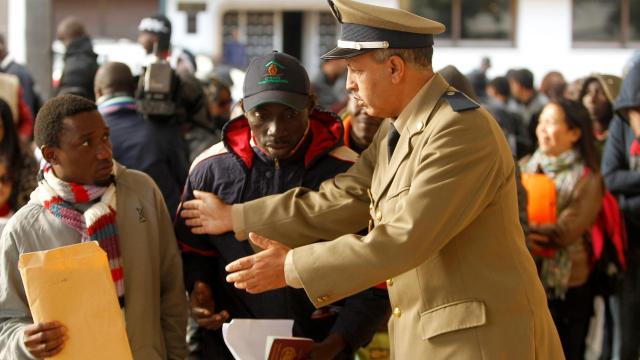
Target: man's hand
pixel 262 271
pixel 207 214
pixel 45 339
pixel 634 120
pixel 329 348
pixel 538 239
pixel 202 308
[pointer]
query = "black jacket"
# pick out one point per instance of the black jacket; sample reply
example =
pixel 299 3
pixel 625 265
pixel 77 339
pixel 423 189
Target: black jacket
pixel 621 158
pixel 80 67
pixel 238 171
pixel 156 149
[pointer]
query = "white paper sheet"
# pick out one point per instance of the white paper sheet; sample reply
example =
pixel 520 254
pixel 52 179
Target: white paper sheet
pixel 247 338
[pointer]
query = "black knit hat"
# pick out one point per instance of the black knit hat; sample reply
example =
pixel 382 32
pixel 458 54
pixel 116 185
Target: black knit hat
pixel 276 78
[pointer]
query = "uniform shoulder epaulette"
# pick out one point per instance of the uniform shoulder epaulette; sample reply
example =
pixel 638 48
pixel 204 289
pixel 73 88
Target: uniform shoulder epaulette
pixel 459 101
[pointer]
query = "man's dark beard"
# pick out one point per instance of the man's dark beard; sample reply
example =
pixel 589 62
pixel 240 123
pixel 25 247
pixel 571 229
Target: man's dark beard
pixel 106 182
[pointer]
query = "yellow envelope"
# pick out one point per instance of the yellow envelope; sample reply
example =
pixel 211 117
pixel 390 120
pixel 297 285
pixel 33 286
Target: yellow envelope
pixel 73 285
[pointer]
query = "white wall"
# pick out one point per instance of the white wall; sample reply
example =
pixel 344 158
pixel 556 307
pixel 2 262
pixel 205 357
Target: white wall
pixel 543 38
pixel 207 24
pixel 17 34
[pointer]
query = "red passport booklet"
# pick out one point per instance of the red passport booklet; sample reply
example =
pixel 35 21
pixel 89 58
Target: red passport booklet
pixel 288 348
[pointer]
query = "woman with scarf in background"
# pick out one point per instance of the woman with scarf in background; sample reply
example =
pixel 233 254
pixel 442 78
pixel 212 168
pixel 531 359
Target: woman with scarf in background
pixel 562 250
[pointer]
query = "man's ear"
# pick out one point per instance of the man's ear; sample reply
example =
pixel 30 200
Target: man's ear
pixel 49 154
pixel 398 68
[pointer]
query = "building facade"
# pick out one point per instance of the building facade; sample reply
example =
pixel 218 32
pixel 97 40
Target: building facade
pixel 575 37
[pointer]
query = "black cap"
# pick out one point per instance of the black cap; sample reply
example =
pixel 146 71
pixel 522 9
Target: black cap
pixel 276 78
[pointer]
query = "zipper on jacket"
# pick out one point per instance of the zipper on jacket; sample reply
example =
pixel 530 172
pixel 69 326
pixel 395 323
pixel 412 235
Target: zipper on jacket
pixel 277 163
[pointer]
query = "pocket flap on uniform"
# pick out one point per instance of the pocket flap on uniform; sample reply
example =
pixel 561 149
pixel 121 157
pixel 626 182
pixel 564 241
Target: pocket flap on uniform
pixel 398 192
pixel 451 317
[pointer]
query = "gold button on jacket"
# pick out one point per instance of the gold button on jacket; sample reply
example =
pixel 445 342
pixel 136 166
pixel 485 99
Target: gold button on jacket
pixel 397 312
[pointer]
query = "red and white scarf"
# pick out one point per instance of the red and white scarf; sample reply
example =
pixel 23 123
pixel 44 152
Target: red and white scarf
pixel 97 223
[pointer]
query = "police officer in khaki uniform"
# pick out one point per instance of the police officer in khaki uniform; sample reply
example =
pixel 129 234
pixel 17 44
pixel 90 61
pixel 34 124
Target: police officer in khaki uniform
pixel 437 189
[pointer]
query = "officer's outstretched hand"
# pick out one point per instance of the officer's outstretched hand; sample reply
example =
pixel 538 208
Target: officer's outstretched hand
pixel 262 271
pixel 207 214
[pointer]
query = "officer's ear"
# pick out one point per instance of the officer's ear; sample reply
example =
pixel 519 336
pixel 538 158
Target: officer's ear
pixel 397 67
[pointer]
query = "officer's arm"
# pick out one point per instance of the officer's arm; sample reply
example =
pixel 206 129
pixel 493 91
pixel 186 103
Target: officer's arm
pixel 461 169
pixel 301 216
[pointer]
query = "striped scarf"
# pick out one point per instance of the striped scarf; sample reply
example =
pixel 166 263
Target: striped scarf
pixel 565 170
pixel 97 223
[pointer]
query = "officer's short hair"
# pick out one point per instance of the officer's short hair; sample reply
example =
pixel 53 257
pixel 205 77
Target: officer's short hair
pixel 49 120
pixel 420 57
pixel 523 77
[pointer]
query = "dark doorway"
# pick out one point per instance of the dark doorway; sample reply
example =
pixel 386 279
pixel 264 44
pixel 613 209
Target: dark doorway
pixel 292 33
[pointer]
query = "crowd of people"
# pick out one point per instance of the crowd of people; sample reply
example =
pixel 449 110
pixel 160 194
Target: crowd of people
pixel 107 134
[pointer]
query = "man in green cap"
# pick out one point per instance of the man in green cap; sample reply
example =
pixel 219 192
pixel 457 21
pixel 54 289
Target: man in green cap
pixel 437 188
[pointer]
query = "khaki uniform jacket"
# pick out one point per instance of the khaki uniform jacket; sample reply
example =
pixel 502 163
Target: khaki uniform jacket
pixel 155 299
pixel 445 232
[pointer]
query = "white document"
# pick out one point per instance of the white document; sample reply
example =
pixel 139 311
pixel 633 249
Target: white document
pixel 247 338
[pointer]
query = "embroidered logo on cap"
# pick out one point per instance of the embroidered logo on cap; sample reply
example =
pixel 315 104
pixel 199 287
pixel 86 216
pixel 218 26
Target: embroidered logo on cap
pixel 273 75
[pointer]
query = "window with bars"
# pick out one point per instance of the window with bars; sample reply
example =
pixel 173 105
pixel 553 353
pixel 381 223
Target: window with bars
pixel 597 22
pixel 470 21
pixel 260 31
pixel 230 23
pixel 327 32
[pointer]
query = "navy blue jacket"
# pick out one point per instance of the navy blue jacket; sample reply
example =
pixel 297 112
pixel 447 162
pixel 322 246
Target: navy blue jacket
pixel 154 148
pixel 619 176
pixel 238 171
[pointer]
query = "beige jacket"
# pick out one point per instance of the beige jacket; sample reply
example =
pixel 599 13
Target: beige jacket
pixel 155 299
pixel 445 233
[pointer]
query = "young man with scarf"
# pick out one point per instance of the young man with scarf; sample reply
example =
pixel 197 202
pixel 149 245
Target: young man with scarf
pixel 83 195
pixel 281 142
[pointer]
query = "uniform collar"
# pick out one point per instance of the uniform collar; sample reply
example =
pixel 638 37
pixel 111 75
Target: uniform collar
pixel 412 120
pixel 413 115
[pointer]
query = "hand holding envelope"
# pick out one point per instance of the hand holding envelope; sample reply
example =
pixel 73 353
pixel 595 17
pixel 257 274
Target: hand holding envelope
pixel 70 291
pixel 45 339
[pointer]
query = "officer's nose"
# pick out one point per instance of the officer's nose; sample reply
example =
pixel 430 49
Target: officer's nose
pixel 351 83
